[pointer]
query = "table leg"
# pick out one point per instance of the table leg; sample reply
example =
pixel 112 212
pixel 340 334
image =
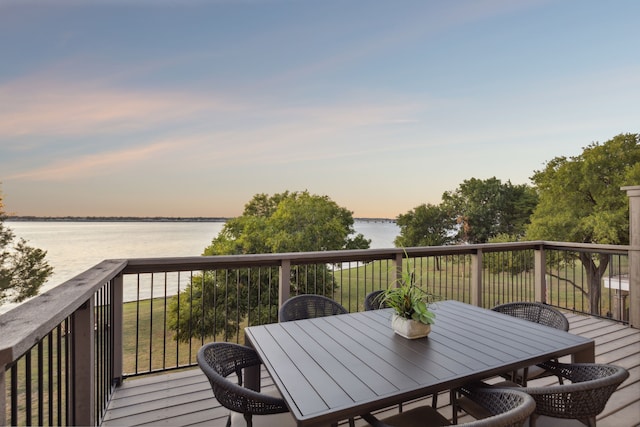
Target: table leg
pixel 252 373
pixel 587 355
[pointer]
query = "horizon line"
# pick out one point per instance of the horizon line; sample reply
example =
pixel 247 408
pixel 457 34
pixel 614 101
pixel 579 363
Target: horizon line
pixel 106 218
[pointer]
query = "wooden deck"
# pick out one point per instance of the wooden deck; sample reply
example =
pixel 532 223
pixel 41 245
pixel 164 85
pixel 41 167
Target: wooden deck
pixel 185 398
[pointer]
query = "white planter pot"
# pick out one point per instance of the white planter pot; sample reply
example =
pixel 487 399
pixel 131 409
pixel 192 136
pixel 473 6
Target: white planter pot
pixel 409 328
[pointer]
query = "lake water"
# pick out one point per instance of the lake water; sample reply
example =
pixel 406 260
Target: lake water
pixel 73 247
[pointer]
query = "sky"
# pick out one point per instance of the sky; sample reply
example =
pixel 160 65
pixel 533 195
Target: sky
pixel 192 107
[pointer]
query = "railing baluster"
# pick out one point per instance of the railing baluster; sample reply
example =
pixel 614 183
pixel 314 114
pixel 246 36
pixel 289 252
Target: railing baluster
pixel 40 375
pixel 164 325
pixel 14 395
pixel 68 373
pixel 59 376
pixel 191 317
pixel 50 394
pixel 137 322
pixel 28 377
pixel 151 323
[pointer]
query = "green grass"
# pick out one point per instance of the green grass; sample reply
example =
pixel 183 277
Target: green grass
pixel 152 346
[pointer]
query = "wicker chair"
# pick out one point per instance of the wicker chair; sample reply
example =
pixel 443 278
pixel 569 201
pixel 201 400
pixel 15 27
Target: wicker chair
pixel 538 313
pixel 373 302
pixel 308 306
pixel 591 387
pixel 218 360
pixel 505 408
pixel 535 312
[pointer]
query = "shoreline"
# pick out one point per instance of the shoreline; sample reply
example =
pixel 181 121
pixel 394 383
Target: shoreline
pixel 24 218
pixel 21 218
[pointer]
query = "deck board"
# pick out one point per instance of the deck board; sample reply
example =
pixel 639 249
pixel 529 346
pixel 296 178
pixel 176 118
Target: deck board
pixel 184 398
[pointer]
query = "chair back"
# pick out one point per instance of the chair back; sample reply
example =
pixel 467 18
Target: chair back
pixel 373 301
pixel 308 306
pixel 535 312
pixel 592 385
pixel 219 360
pixel 508 407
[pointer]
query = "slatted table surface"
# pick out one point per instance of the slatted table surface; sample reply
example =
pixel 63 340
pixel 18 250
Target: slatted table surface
pixel 332 368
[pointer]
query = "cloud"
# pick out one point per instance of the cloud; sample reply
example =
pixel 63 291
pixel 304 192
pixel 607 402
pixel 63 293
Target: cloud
pixel 34 107
pixel 276 135
pixel 94 164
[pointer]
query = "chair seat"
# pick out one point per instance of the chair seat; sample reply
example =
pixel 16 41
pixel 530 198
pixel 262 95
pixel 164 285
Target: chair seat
pixel 541 420
pixel 276 420
pixel 544 421
pixel 591 385
pixel 472 408
pixel 422 416
pixel 533 371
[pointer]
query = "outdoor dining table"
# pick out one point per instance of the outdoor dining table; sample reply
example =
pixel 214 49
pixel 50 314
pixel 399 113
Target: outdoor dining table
pixel 338 367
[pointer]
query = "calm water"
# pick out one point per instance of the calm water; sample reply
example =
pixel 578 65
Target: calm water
pixel 73 247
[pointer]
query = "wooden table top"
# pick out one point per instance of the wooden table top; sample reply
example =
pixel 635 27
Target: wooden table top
pixel 333 368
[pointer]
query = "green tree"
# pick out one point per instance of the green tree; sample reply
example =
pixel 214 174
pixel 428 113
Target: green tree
pixel 513 262
pixel 218 302
pixel 581 201
pixel 23 269
pixel 486 208
pixel 425 225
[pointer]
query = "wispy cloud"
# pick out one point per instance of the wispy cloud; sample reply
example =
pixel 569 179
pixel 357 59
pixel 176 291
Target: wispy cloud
pixel 33 107
pixel 93 164
pixel 262 131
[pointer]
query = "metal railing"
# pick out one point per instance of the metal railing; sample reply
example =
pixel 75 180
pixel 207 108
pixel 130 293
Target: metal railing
pixel 63 352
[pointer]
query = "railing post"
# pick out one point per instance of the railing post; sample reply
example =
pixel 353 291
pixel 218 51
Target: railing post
pixel 540 275
pixel 83 364
pixel 397 262
pixel 634 254
pixel 3 396
pixel 284 281
pixel 476 278
pixel 116 327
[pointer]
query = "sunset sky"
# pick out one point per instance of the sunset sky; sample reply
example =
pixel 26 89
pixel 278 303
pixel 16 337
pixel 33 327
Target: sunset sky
pixel 189 108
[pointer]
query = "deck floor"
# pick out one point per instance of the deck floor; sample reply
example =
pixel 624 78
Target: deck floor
pixel 185 398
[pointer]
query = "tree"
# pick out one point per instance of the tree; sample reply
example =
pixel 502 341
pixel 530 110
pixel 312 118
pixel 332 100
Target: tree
pixel 513 262
pixel 23 269
pixel 425 225
pixel 284 222
pixel 486 208
pixel 474 213
pixel 581 201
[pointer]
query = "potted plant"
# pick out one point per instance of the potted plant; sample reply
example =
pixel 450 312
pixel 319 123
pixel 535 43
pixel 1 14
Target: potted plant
pixel 412 317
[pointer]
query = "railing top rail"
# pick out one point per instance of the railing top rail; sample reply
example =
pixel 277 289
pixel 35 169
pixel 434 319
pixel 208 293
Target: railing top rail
pixel 588 247
pixel 29 322
pixel 151 265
